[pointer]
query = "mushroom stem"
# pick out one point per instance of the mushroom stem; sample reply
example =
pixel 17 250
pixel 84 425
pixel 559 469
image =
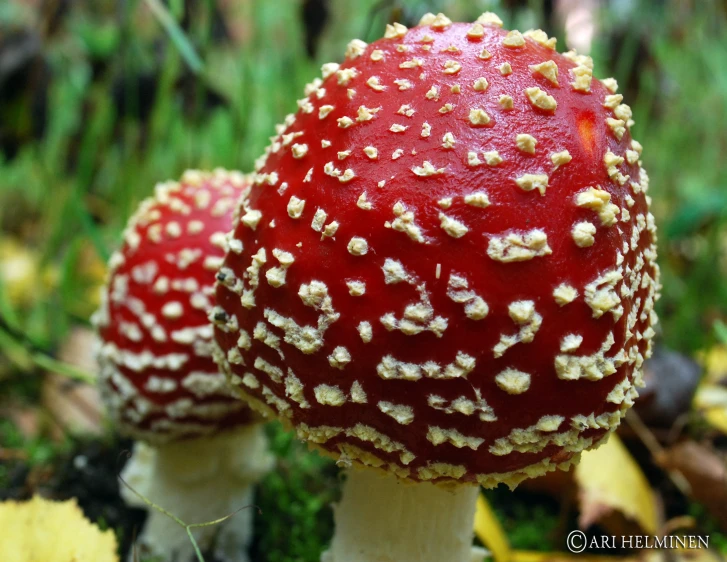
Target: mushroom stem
pixel 198 480
pixel 382 518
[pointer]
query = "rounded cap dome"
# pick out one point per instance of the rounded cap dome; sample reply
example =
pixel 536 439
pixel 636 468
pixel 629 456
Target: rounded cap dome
pixel 157 374
pixel 448 265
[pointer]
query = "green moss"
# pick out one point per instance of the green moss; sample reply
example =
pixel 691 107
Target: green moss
pixel 529 521
pixel 38 450
pixel 296 521
pixel 708 525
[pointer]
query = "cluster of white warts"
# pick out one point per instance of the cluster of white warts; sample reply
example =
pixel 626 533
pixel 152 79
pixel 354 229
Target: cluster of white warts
pixel 603 295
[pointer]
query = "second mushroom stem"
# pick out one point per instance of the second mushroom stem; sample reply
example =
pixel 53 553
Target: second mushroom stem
pixel 199 480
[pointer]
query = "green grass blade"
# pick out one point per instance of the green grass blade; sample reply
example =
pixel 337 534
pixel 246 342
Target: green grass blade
pixel 177 35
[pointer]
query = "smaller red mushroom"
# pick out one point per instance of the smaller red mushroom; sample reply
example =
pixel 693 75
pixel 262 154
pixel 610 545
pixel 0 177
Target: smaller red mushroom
pixel 199 449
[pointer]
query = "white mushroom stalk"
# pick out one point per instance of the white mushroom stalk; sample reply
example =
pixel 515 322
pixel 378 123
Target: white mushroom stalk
pixel 383 518
pixel 198 481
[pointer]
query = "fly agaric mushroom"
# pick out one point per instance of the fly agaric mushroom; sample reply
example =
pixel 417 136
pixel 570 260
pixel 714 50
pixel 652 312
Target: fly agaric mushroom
pixel 448 276
pixel 200 449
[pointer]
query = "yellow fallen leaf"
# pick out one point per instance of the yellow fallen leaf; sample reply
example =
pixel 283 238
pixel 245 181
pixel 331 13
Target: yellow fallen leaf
pixel 46 531
pixel 609 479
pixel 678 555
pixel 717 419
pixel 637 495
pixel 710 399
pixel 715 363
pixel 19 272
pixel 694 555
pixel 533 556
pixel 90 271
pixel 490 532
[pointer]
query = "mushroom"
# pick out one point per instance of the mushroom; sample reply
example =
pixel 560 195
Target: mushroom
pixel 199 448
pixel 448 276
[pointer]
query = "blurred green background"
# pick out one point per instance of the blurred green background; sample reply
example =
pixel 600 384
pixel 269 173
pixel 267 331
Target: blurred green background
pixel 101 99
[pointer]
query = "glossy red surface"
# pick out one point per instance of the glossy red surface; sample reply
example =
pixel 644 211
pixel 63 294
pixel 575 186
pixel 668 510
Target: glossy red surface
pixel 577 125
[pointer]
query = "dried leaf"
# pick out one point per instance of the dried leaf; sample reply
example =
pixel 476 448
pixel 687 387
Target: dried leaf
pixel 609 480
pixel 26 419
pixel 76 407
pixel 79 349
pixel 47 531
pixel 705 471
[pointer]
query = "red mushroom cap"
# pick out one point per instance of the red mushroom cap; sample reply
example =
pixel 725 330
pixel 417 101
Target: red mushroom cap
pixel 158 377
pixel 449 263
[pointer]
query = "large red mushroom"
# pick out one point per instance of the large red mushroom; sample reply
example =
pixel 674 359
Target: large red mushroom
pixel 447 277
pixel 199 448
